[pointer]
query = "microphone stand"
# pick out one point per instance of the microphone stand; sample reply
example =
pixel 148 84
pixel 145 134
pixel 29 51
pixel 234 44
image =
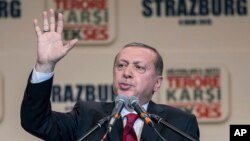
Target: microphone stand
pixel 98 125
pixel 160 120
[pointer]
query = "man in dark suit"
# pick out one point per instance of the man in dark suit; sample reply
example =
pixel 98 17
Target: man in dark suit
pixel 137 71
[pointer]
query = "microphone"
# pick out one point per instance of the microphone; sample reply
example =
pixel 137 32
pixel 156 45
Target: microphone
pixel 134 103
pixel 172 127
pixel 120 102
pixel 98 125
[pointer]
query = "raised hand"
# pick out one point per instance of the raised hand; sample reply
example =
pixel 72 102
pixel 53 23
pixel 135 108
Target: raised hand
pixel 50 45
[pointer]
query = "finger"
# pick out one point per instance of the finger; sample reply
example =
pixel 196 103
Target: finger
pixel 45 21
pixel 60 23
pixel 52 20
pixel 70 44
pixel 37 28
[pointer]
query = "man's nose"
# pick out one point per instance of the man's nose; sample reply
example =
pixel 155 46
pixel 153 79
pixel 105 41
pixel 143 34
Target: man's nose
pixel 128 72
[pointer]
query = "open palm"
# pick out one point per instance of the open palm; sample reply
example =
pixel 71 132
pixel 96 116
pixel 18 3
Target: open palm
pixel 50 44
pixel 50 48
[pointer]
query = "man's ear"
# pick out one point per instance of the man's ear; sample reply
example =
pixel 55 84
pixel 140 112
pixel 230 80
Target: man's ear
pixel 158 83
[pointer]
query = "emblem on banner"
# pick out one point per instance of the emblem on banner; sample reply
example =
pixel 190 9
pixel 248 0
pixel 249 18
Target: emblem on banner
pixel 91 22
pixel 202 91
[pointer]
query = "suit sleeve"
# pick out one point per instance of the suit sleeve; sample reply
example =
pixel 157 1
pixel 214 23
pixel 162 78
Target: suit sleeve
pixel 192 128
pixel 38 119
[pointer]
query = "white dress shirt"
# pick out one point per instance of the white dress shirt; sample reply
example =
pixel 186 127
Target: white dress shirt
pixel 138 125
pixel 38 77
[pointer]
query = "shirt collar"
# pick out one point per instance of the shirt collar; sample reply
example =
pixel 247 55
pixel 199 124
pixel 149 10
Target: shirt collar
pixel 124 111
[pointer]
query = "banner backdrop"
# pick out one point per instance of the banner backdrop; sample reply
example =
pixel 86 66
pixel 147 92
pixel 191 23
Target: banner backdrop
pixel 204 44
pixel 201 90
pixel 1 97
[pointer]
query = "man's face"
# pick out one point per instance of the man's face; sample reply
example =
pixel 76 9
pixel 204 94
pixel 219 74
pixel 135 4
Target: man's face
pixel 134 73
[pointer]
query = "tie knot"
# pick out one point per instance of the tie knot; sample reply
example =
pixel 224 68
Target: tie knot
pixel 131 118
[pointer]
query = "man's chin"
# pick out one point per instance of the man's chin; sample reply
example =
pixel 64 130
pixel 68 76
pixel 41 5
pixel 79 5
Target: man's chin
pixel 125 93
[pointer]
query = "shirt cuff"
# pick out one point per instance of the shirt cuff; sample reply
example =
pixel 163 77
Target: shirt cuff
pixel 38 77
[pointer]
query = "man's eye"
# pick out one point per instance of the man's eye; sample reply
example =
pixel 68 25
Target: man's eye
pixel 121 66
pixel 140 68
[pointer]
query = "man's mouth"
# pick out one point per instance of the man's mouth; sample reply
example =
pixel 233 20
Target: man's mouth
pixel 124 86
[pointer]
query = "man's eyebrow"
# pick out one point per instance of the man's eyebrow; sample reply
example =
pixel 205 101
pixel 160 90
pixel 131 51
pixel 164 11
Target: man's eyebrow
pixel 123 60
pixel 127 62
pixel 140 62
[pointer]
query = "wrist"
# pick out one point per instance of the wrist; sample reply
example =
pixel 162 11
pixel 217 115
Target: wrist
pixel 44 68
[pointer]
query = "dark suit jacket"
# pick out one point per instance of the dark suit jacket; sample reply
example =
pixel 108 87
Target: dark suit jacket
pixel 38 119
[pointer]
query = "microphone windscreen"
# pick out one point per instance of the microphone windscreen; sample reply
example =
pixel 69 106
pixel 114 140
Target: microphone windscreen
pixel 122 98
pixel 132 100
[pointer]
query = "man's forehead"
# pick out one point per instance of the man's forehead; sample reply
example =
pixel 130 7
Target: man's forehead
pixel 136 54
pixel 134 50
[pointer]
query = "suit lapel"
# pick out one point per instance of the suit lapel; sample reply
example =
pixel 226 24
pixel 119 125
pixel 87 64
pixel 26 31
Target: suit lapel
pixel 148 133
pixel 116 133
